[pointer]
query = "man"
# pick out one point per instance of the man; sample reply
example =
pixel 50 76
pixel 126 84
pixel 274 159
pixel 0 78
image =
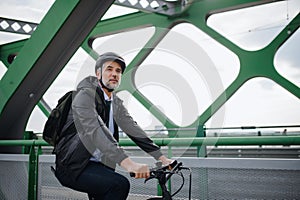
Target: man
pixel 86 161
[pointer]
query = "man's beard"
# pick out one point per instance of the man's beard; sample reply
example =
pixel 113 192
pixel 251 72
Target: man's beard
pixel 108 86
pixel 111 86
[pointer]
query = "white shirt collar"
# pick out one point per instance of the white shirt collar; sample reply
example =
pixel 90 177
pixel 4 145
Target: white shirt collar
pixel 105 95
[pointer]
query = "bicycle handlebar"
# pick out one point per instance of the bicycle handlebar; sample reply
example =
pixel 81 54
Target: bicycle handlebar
pixel 164 173
pixel 160 168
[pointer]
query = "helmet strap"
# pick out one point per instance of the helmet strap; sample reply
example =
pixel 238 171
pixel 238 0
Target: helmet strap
pixel 104 86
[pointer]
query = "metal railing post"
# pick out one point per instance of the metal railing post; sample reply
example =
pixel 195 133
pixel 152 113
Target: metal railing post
pixel 32 173
pixel 201 149
pixel 201 152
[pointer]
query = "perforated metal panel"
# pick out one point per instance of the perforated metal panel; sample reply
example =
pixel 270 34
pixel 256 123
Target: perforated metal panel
pixel 49 186
pixel 13 177
pixel 212 178
pixel 242 184
pixel 233 179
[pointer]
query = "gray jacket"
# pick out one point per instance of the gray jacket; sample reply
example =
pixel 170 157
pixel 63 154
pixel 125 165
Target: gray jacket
pixel 87 117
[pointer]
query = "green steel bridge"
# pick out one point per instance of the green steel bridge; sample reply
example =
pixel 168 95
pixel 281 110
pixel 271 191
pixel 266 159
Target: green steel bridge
pixel 220 91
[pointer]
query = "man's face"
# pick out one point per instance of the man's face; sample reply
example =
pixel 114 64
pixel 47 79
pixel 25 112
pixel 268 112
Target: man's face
pixel 111 74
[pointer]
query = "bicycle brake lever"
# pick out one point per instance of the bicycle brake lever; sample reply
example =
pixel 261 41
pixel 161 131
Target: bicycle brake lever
pixel 150 177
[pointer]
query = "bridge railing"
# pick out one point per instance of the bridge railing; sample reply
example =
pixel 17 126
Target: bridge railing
pixel 35 150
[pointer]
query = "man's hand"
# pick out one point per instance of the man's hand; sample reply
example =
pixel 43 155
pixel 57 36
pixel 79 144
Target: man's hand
pixel 165 160
pixel 140 170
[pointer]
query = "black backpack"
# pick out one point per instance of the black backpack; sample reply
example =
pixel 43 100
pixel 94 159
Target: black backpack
pixel 57 119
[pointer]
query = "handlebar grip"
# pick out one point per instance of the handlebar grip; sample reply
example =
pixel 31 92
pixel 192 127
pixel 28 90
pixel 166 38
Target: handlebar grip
pixel 132 174
pixel 170 166
pixel 173 164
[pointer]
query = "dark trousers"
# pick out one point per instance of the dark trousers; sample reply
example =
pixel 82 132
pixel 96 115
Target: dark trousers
pixel 98 181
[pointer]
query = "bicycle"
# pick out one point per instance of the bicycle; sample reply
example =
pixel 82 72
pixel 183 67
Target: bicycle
pixel 163 174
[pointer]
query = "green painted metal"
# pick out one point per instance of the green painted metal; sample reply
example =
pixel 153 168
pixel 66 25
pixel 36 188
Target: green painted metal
pixel 187 141
pixel 43 109
pixel 28 135
pixel 231 141
pixel 32 174
pixel 201 150
pixel 23 143
pixel 7 50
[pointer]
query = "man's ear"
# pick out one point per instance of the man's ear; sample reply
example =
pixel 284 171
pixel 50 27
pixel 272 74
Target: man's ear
pixel 98 74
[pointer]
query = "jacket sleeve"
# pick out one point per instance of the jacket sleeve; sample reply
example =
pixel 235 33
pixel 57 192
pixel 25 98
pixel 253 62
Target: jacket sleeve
pixel 134 131
pixel 91 128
